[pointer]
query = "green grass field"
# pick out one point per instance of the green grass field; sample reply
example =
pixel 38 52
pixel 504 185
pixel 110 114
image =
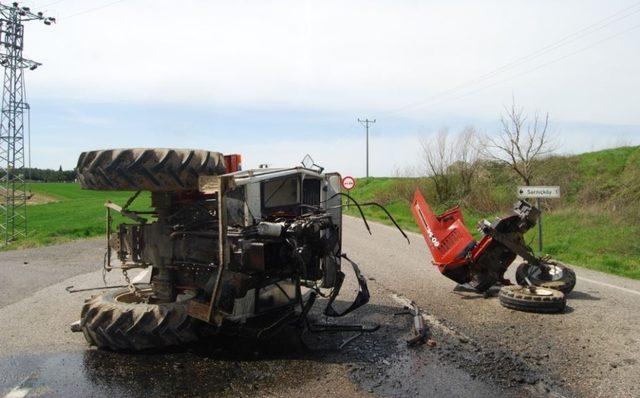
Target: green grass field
pixel 578 235
pixel 71 213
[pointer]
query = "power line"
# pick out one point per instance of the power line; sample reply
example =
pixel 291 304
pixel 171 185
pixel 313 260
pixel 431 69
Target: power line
pixel 93 9
pixel 568 39
pixel 51 4
pixel 556 60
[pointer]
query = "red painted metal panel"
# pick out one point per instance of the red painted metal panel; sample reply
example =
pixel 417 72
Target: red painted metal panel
pixel 233 163
pixel 446 235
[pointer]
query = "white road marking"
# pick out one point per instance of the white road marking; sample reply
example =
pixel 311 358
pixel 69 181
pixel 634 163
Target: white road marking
pixel 142 275
pixel 21 390
pixel 624 289
pixel 18 392
pixel 433 321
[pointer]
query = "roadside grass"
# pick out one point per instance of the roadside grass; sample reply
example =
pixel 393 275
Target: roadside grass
pixel 579 235
pixel 74 213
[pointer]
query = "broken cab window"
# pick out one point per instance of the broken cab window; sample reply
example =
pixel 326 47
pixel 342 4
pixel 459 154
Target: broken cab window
pixel 279 193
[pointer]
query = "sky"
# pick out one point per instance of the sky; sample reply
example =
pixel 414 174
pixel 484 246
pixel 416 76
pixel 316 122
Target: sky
pixel 276 80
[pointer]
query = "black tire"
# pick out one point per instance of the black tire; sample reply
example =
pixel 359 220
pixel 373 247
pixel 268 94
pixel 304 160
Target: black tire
pixel 563 279
pixel 147 169
pixel 115 321
pixel 540 300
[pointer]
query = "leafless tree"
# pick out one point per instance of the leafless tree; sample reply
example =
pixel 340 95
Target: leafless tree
pixel 467 152
pixel 437 155
pixel 450 160
pixel 521 142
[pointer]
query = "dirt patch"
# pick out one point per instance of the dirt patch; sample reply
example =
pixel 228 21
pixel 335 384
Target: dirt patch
pixel 37 198
pixel 34 198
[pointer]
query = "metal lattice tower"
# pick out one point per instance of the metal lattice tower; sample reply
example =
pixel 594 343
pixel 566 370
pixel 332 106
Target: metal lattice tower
pixel 13 192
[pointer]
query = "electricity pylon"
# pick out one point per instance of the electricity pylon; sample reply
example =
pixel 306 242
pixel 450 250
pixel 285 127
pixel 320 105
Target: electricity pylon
pixel 13 192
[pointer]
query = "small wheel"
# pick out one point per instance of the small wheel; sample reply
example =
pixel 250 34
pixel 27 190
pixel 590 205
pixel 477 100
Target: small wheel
pixel 560 277
pixel 122 321
pixel 537 299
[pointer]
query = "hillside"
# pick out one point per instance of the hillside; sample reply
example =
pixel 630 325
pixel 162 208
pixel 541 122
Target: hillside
pixel 596 224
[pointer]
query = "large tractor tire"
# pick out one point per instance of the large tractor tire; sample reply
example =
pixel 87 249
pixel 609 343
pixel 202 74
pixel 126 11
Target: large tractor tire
pixel 147 169
pixel 560 278
pixel 121 321
pixel 537 299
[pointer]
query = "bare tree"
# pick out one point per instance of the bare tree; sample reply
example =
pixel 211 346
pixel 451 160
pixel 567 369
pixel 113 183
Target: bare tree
pixel 521 143
pixel 437 155
pixel 467 152
pixel 450 160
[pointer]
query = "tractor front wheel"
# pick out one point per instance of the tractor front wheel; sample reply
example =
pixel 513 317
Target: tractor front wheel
pixel 559 277
pixel 534 299
pixel 125 321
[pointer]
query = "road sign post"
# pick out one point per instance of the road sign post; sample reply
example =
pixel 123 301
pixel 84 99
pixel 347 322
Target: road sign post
pixel 348 183
pixel 539 192
pixel 539 226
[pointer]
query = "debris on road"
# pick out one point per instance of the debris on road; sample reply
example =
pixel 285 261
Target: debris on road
pixel 420 332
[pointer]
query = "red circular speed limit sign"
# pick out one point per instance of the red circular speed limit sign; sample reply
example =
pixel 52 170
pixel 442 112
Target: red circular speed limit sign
pixel 348 183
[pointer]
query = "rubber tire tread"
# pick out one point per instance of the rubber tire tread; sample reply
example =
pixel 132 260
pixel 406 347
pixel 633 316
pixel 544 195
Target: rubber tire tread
pixel 519 298
pixel 109 324
pixel 568 278
pixel 147 169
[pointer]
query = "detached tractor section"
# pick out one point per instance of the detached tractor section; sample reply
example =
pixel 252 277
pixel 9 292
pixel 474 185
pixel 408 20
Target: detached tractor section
pixel 542 282
pixel 230 251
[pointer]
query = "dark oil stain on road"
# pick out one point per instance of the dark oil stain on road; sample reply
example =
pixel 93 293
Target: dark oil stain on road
pixel 226 367
pixel 377 363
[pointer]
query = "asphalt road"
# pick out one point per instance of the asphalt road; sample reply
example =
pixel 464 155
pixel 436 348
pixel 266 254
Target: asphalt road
pixel 481 349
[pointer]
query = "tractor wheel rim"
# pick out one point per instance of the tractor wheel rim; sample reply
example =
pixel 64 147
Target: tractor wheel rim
pixel 145 296
pixel 131 298
pixel 555 273
pixel 542 292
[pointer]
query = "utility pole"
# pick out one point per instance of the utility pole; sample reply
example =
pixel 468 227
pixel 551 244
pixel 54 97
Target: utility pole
pixel 366 123
pixel 13 190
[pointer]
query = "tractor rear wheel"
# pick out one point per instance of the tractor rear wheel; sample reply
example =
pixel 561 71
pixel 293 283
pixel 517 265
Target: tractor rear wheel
pixel 123 321
pixel 536 299
pixel 147 169
pixel 560 277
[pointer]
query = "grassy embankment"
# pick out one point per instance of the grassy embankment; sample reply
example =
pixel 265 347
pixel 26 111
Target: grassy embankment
pixel 69 213
pixel 595 225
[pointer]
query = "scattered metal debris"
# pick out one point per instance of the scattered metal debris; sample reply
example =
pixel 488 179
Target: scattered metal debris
pixel 420 332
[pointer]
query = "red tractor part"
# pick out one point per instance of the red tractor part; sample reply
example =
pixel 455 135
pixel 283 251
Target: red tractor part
pixel 481 264
pixel 446 235
pixel 233 163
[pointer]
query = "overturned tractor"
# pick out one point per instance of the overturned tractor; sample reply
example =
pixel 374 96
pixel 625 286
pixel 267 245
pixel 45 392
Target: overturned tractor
pixel 244 252
pixel 542 282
